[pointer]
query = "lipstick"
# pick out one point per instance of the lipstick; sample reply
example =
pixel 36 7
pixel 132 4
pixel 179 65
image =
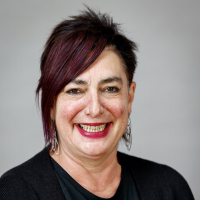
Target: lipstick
pixel 94 135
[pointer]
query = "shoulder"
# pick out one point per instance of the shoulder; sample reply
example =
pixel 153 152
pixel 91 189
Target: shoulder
pixel 149 167
pixel 30 166
pixel 157 177
pixel 21 182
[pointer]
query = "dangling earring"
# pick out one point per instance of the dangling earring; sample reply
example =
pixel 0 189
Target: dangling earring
pixel 127 135
pixel 54 141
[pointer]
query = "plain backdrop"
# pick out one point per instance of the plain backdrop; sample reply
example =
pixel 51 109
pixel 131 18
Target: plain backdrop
pixel 166 110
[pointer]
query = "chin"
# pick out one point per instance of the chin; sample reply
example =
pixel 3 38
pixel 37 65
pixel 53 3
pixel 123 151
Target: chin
pixel 97 148
pixel 93 149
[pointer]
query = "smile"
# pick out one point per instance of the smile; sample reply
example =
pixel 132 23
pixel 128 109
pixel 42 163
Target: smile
pixel 95 130
pixel 89 128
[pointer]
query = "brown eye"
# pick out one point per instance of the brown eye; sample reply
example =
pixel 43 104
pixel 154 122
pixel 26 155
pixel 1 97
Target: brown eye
pixel 112 89
pixel 74 91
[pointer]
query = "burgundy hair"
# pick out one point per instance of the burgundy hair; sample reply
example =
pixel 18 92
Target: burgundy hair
pixel 71 48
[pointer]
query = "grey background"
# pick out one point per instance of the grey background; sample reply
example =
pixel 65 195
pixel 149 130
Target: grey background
pixel 166 110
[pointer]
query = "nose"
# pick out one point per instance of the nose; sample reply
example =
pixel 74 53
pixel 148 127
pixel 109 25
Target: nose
pixel 94 107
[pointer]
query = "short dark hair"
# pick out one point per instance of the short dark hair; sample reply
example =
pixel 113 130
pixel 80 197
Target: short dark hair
pixel 72 47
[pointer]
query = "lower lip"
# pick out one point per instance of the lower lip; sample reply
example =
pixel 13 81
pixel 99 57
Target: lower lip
pixel 94 135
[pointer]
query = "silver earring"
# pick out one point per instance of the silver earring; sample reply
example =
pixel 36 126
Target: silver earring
pixel 127 135
pixel 54 141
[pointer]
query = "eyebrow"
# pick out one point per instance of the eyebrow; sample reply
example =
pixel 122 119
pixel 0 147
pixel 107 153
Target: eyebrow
pixel 111 80
pixel 103 81
pixel 79 82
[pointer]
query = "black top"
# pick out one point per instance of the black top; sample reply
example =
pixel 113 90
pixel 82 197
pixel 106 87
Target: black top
pixel 35 180
pixel 127 189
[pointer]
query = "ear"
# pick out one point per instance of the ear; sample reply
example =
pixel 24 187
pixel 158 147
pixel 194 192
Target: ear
pixel 131 96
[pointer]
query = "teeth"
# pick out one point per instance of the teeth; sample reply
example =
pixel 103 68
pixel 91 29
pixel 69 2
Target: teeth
pixel 93 128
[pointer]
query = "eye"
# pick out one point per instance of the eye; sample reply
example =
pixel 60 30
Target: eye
pixel 74 91
pixel 112 89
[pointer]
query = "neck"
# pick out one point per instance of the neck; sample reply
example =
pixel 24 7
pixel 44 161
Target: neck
pixel 99 174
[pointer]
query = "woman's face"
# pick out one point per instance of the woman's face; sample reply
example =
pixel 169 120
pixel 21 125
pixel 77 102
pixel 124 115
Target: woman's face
pixel 91 112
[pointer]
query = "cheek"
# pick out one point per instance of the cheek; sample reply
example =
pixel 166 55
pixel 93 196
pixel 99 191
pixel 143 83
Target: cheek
pixel 116 107
pixel 69 110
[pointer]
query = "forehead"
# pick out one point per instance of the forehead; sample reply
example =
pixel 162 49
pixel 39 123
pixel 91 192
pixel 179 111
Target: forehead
pixel 106 65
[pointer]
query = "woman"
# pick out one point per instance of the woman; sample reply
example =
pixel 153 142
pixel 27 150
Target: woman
pixel 87 91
